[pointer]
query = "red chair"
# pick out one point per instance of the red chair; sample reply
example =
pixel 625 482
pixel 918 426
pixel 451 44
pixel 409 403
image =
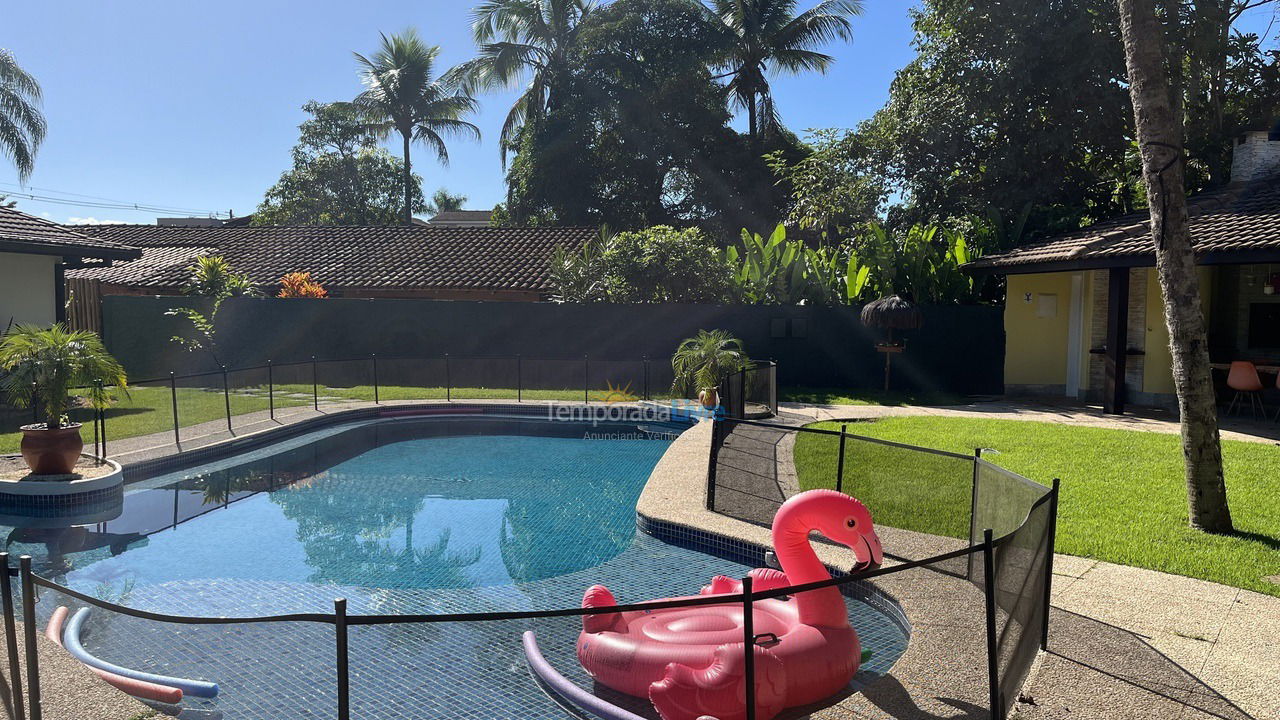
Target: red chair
pixel 1243 378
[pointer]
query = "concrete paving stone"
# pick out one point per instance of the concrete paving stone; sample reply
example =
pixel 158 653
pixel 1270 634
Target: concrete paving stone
pixel 1254 690
pixel 1152 581
pixel 1072 566
pixel 1147 613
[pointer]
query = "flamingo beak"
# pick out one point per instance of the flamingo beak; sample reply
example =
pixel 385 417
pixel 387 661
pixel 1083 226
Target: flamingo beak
pixel 869 552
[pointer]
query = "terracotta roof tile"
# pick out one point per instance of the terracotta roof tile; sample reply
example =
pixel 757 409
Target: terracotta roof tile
pixel 380 257
pixel 1235 219
pixel 22 232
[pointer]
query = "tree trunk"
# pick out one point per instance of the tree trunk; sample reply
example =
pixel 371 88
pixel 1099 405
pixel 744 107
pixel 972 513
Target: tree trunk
pixel 1160 138
pixel 408 181
pixel 751 120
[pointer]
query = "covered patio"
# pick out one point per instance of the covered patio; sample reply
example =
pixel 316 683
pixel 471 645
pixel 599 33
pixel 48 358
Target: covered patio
pixel 1084 316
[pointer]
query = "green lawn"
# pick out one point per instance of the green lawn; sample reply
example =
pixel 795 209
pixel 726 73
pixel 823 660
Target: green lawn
pixel 148 409
pixel 1123 495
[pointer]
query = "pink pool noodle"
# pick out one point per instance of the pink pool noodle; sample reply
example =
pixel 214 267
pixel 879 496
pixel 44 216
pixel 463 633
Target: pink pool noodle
pixel 137 688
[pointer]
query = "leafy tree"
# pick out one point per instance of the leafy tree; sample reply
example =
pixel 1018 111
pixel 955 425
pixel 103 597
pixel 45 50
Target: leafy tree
pixel 756 37
pixel 657 264
pixel 443 201
pixel 1160 134
pixel 979 118
pixel 340 176
pixel 836 189
pixel 1227 83
pixel 404 95
pixel 22 126
pixel 639 133
pixel 520 39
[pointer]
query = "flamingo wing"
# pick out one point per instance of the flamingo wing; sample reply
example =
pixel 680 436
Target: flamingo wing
pixel 716 690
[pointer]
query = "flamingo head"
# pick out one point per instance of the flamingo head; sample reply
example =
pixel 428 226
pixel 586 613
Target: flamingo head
pixel 847 521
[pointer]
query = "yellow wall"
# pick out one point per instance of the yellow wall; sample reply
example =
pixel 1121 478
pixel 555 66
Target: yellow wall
pixel 1157 371
pixel 1035 346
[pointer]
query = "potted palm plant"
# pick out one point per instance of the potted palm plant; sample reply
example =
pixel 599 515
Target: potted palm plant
pixel 704 361
pixel 41 366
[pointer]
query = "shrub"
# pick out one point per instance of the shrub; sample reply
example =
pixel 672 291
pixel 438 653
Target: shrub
pixel 300 285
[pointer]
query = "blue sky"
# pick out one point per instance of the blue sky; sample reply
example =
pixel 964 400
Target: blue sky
pixel 196 105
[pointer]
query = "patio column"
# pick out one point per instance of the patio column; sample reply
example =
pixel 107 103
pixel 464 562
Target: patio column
pixel 1117 340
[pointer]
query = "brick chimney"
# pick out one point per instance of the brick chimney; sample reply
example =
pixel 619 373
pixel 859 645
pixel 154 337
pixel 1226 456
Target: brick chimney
pixel 1256 155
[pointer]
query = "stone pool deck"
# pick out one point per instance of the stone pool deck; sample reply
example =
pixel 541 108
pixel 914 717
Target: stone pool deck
pixel 69 691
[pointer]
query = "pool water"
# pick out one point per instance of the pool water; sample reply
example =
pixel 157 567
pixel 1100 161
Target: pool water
pixel 439 516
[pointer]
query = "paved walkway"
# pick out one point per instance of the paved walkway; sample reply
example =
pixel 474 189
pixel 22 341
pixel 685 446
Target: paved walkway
pixel 1067 413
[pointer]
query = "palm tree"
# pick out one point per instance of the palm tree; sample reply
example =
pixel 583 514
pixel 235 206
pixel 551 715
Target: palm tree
pixel 705 360
pixel 525 37
pixel 22 126
pixel 404 95
pixel 1160 136
pixel 756 37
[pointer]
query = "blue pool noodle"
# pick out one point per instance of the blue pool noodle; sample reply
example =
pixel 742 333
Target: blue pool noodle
pixel 561 685
pixel 195 688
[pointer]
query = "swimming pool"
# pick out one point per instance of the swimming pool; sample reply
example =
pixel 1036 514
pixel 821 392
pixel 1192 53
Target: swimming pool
pixel 431 516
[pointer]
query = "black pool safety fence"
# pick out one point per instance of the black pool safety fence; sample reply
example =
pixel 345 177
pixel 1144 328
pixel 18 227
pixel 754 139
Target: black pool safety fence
pixel 751 392
pixel 1007 521
pixel 231 400
pixel 1004 555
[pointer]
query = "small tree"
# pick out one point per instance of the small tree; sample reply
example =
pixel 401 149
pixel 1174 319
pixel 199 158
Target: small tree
pixel 212 278
pixel 703 361
pixel 300 285
pixel 42 365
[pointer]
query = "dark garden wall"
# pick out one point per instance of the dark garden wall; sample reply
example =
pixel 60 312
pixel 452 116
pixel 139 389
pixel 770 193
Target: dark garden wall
pixel 959 349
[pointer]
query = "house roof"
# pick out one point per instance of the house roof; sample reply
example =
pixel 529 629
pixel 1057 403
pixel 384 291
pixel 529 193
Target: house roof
pixel 1236 224
pixel 466 216
pixel 376 257
pixel 23 233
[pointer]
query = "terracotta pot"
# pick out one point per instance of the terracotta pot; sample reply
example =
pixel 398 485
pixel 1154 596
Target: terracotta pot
pixel 709 397
pixel 51 452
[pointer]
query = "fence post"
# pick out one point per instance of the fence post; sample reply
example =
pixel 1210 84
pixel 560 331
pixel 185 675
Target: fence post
pixel 315 386
pixel 586 380
pixel 519 379
pixel 748 647
pixel 646 377
pixel 29 636
pixel 35 406
pixel 344 678
pixel 11 639
pixel 374 357
pixel 271 390
pixel 226 398
pixel 97 452
pixel 973 497
pixel 840 462
pixel 1048 564
pixel 989 590
pixel 711 463
pixel 448 380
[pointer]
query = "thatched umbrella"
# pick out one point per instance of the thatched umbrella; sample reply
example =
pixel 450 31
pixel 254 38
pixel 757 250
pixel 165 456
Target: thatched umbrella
pixel 891 313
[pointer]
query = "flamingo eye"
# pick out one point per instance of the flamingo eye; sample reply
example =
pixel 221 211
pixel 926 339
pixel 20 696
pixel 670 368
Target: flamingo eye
pixel 851 522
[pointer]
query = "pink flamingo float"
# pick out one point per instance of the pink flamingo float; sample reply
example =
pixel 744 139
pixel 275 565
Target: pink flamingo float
pixel 690 662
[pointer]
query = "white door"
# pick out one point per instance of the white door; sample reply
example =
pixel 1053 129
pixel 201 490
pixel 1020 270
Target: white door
pixel 1075 335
